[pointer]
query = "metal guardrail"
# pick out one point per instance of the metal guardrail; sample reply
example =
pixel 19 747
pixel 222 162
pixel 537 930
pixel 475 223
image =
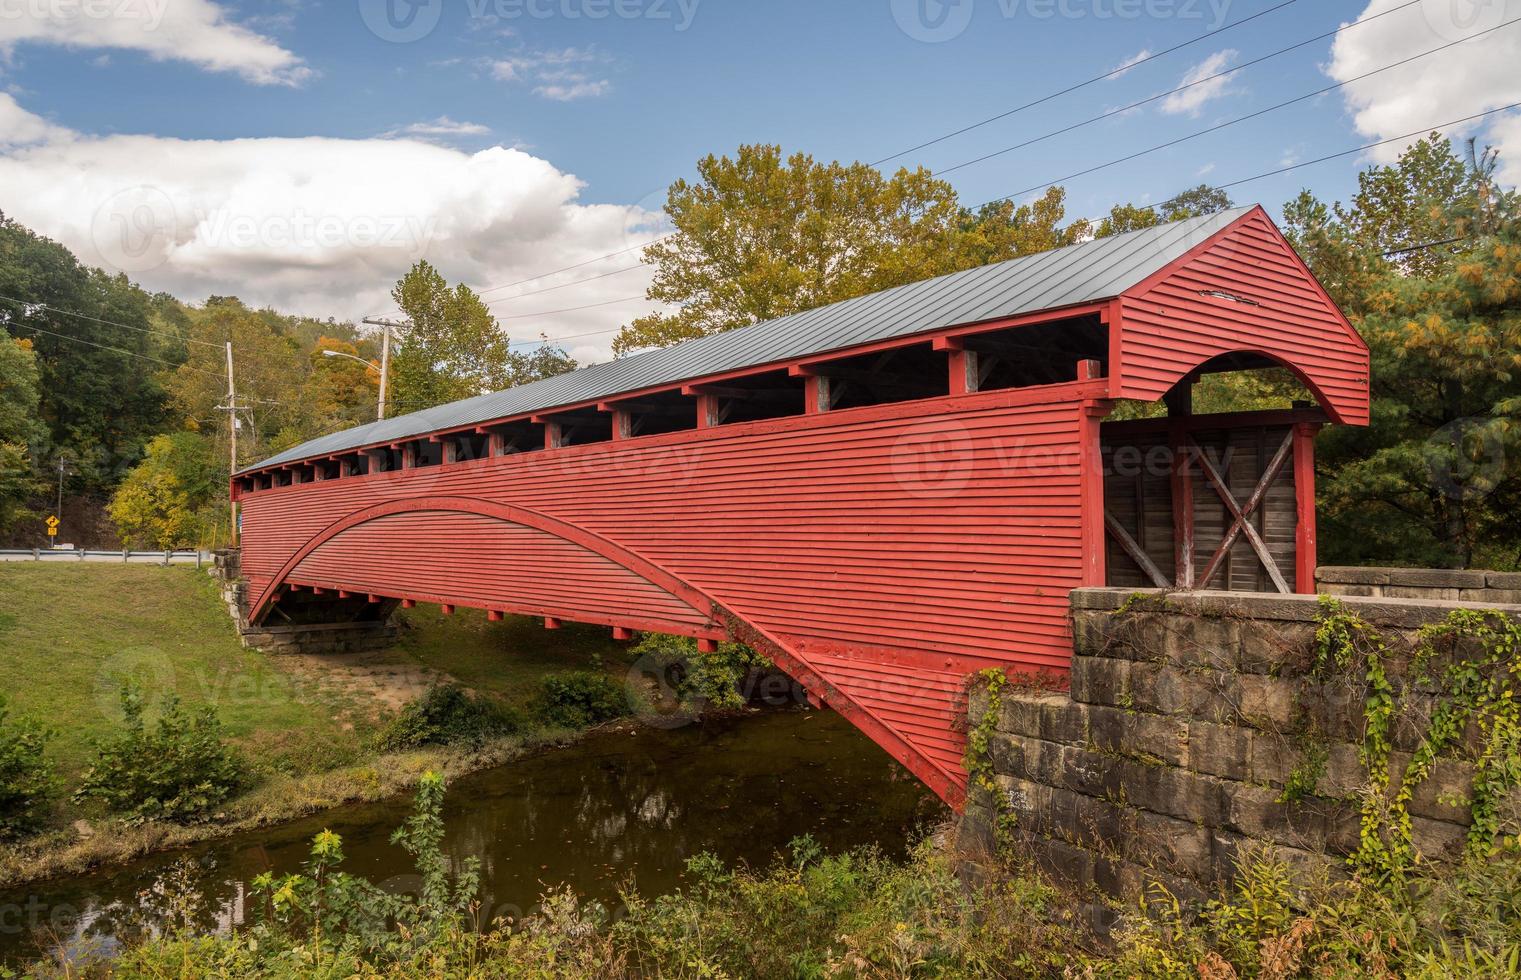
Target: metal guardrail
pixel 59 556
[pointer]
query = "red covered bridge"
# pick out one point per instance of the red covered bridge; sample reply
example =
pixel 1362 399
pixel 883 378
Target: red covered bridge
pixel 885 495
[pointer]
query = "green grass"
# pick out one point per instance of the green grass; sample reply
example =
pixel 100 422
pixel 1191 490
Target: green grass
pixel 510 659
pixel 70 636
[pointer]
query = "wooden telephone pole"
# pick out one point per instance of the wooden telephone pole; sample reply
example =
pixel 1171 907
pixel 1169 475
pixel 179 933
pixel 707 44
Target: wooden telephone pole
pixel 385 356
pixel 231 408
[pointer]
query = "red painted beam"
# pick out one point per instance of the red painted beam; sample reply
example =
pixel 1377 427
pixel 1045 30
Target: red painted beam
pixel 1304 503
pixel 551 623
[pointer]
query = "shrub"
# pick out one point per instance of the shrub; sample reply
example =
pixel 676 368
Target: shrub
pixel 701 681
pixel 178 769
pixel 445 715
pixel 26 778
pixel 581 699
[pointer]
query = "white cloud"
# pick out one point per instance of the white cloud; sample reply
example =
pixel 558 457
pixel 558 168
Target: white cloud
pixel 442 127
pixel 325 226
pixel 21 128
pixel 1193 99
pixel 197 31
pixel 1124 67
pixel 1205 170
pixel 562 75
pixel 571 89
pixel 1469 78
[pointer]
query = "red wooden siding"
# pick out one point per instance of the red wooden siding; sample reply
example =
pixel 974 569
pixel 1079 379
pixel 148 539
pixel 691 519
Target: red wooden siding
pixel 1170 323
pixel 891 551
pixel 473 560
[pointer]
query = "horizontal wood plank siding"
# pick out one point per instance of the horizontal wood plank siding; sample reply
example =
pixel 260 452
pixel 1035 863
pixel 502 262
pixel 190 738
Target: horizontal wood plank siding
pixel 1171 325
pixel 893 550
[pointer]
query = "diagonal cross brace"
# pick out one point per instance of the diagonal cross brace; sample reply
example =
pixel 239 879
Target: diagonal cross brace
pixel 1134 550
pixel 1240 513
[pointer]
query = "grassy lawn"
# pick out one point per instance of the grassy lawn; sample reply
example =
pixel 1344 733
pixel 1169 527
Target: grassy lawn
pixel 509 659
pixel 71 635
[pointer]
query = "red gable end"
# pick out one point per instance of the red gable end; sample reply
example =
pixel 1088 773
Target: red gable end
pixel 1244 289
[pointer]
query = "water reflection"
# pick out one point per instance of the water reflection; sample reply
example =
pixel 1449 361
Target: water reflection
pixel 620 807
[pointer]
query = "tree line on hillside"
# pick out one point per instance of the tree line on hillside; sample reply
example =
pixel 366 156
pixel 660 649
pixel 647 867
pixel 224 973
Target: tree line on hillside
pixel 117 398
pixel 1424 259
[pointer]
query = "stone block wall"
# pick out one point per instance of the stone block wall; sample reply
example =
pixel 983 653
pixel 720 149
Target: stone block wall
pixel 1451 584
pixel 1186 718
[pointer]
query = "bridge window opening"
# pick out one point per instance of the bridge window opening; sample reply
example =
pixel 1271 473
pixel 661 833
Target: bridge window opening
pixel 326 469
pixel 519 437
pixel 1040 354
pixel 584 427
pixel 469 446
pixel 386 459
pixel 655 414
pixel 898 375
pixel 355 465
pixel 755 397
pixel 426 452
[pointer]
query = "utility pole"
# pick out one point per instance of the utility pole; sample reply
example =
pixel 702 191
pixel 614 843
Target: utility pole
pixel 385 356
pixel 63 466
pixel 231 408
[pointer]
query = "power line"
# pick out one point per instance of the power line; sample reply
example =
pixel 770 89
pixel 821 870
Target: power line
pixel 1255 177
pixel 1162 95
pixel 571 309
pixel 1066 129
pixel 1239 119
pixel 95 319
pixel 114 350
pixel 939 139
pixel 1084 84
pixel 563 285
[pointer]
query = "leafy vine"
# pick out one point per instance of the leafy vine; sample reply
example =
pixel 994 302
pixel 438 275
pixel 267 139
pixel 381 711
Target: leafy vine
pixel 977 759
pixel 1476 686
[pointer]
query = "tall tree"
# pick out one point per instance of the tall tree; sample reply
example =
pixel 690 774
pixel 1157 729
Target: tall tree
pixel 1192 203
pixel 454 347
pixel 270 370
pixel 174 498
pixel 759 236
pixel 20 428
pixel 1426 261
pixel 96 337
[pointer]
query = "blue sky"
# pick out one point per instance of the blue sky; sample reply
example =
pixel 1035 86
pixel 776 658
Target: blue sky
pixel 627 101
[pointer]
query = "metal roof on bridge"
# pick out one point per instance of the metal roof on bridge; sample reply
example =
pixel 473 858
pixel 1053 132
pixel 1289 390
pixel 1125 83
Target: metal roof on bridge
pixel 1091 271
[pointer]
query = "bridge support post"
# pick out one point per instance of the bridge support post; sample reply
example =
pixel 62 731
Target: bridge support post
pixel 1304 504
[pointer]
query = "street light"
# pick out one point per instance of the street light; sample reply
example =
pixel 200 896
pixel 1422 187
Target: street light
pixel 380 407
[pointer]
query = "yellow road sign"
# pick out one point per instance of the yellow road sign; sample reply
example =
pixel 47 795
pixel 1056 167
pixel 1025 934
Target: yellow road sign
pixel 52 532
pixel 53 522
